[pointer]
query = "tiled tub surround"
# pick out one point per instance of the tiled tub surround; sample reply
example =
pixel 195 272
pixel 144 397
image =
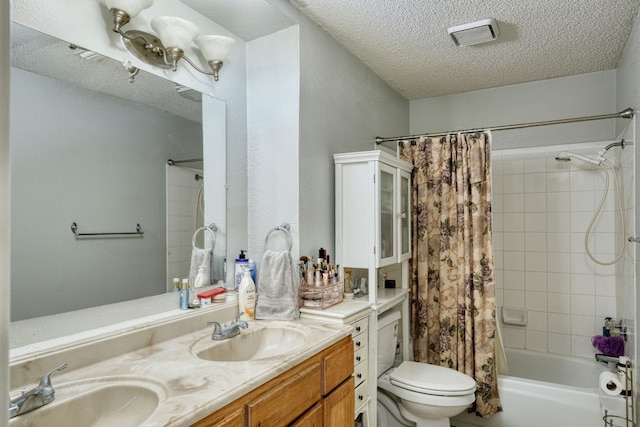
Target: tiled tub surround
pixel 163 354
pixel 542 208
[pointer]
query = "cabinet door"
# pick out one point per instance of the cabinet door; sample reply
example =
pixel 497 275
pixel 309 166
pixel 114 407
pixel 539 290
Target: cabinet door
pixel 404 215
pixel 339 406
pixel 386 233
pixel 312 418
pixel 232 416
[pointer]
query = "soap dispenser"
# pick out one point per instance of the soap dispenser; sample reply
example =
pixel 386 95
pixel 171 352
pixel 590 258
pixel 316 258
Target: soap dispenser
pixel 242 264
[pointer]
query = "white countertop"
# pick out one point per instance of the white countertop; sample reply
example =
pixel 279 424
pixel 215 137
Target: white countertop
pixel 189 388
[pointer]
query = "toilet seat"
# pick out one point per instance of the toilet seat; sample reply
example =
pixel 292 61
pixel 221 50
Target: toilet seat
pixel 431 379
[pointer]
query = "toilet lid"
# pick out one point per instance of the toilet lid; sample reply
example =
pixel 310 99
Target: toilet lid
pixel 432 379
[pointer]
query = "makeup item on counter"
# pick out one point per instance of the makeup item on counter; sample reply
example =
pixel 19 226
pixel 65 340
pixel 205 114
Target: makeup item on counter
pixel 176 284
pixel 184 295
pixel 348 292
pixel 390 284
pixel 202 278
pixel 206 297
pixel 247 297
pixel 242 263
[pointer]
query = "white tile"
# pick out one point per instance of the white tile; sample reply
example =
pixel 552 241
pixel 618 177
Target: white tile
pixel 498 221
pixel 577 242
pixel 513 222
pixel 535 202
pixel 605 243
pixel 535 164
pixel 559 344
pixel 535 222
pixel 584 305
pixel 558 303
pixel 584 326
pixel 513 165
pixel 604 285
pixel 558 242
pixel 582 180
pixel 605 223
pixel 583 284
pixel 535 183
pixel 497 201
pixel 535 281
pixel 514 280
pixel 514 337
pixel 499 297
pixel 558 262
pixel 605 307
pixel 537 321
pixel 558 222
pixel 497 184
pixel 559 323
pixel 558 181
pixel 513 202
pixel 536 341
pixel 536 301
pixel 535 242
pixel 536 261
pixel 559 283
pixel 514 260
pixel 498 240
pixel 513 298
pixel 513 241
pixel 559 201
pixel 582 201
pixel 581 264
pixel 513 184
pixel 580 221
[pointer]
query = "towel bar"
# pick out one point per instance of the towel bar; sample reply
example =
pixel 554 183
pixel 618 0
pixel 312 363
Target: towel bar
pixel 137 233
pixel 285 227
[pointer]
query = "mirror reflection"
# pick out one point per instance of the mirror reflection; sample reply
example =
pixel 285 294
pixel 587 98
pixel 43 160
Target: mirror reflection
pixel 89 147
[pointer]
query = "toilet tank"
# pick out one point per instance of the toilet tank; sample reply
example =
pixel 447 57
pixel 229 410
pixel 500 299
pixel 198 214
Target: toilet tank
pixel 387 339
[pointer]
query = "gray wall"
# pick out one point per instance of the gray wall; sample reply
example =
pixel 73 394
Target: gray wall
pixel 99 161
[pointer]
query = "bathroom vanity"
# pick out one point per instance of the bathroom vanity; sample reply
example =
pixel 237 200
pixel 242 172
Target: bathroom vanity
pixel 169 372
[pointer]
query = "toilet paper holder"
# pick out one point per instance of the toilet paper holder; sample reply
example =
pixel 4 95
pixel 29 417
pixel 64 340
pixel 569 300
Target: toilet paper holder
pixel 628 420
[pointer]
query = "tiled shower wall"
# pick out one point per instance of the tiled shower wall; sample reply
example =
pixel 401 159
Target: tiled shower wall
pixel 542 208
pixel 182 193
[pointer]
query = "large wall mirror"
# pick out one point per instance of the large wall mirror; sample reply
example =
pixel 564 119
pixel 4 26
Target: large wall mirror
pixel 89 147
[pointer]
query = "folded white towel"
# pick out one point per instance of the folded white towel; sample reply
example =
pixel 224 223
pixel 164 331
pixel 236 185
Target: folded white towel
pixel 277 287
pixel 199 257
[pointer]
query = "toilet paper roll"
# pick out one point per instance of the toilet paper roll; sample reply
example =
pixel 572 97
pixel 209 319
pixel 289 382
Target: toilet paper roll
pixel 610 383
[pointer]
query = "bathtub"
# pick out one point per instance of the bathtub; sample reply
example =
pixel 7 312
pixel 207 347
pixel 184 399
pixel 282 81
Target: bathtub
pixel 544 390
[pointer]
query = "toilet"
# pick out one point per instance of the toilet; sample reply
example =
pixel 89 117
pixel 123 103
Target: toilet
pixel 412 393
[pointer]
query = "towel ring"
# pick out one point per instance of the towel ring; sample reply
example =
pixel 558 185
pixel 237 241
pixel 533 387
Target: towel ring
pixel 211 228
pixel 285 227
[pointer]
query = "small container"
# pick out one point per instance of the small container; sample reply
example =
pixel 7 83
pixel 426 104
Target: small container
pixel 206 297
pixel 184 295
pixel 176 284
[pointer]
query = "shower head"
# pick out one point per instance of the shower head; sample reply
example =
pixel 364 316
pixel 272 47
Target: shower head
pixel 566 156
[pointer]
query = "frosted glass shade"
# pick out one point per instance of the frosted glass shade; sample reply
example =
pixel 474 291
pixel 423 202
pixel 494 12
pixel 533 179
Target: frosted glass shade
pixel 175 32
pixel 214 47
pixel 131 7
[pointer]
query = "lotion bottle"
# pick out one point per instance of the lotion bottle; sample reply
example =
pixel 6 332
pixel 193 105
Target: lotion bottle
pixel 247 297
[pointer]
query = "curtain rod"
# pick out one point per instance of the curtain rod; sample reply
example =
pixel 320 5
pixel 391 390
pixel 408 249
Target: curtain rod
pixel 625 114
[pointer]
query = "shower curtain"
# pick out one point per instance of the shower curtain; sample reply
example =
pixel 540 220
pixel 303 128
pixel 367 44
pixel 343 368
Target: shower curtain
pixel 453 308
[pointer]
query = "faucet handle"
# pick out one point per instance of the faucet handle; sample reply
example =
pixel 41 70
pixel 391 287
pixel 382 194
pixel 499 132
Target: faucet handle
pixel 46 379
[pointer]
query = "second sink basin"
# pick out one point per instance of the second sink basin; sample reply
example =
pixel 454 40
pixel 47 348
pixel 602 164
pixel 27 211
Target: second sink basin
pixel 252 344
pixel 95 404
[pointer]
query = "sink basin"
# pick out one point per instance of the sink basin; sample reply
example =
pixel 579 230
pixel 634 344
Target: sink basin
pixel 95 404
pixel 252 344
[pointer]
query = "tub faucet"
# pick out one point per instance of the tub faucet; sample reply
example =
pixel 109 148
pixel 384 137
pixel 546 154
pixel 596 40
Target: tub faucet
pixel 222 332
pixel 35 398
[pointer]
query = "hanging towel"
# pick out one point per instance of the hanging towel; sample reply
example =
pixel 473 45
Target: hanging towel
pixel 277 287
pixel 199 257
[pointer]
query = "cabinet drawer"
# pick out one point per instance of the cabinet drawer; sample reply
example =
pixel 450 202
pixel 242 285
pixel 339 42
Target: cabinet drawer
pixel 360 341
pixel 311 418
pixel 362 394
pixel 286 401
pixel 360 356
pixel 361 372
pixel 360 326
pixel 337 365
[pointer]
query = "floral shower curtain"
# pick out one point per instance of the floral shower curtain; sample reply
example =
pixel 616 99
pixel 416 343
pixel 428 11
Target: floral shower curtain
pixel 453 308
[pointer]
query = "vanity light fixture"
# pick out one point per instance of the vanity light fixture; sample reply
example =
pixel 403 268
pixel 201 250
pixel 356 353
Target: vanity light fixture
pixel 175 36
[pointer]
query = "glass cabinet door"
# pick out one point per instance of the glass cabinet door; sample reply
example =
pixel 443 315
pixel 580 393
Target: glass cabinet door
pixel 404 216
pixel 387 237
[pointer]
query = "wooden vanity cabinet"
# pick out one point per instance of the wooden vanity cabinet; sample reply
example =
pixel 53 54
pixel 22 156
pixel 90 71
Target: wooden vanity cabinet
pixel 317 392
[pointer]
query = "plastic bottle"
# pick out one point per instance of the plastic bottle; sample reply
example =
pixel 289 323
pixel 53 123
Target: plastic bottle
pixel 176 284
pixel 247 297
pixel 252 269
pixel 242 263
pixel 184 295
pixel 202 278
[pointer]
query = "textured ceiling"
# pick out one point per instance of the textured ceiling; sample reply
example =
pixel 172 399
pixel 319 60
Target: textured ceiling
pixel 48 56
pixel 406 41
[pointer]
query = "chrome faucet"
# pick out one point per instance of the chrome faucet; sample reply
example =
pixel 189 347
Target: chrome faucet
pixel 222 332
pixel 35 398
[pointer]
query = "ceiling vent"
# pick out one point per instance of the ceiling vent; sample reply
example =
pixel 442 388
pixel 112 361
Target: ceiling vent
pixel 475 32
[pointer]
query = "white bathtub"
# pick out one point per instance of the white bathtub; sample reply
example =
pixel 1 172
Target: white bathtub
pixel 544 390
